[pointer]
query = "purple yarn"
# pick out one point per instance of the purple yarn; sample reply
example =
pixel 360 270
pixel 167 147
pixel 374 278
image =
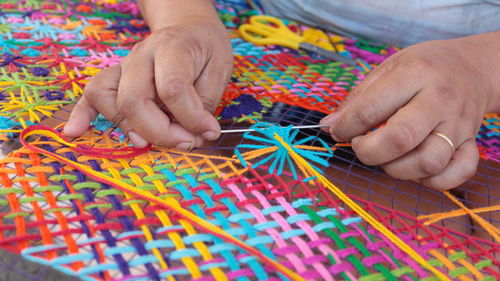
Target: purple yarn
pixel 2 96
pixel 54 95
pixel 247 105
pixel 9 58
pixel 39 71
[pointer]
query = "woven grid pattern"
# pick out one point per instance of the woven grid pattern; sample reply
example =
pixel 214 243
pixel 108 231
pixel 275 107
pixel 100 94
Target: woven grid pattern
pixel 55 215
pixel 90 230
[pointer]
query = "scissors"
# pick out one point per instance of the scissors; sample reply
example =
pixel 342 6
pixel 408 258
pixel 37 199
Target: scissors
pixel 267 30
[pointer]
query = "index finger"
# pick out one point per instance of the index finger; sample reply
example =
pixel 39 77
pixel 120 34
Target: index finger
pixel 176 73
pixel 136 102
pixel 403 132
pixel 374 104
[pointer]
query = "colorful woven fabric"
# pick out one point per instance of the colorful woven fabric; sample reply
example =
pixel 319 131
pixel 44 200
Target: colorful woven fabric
pixel 92 231
pixel 252 187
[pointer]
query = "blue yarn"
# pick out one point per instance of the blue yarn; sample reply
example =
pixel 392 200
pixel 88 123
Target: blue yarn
pixel 197 238
pixel 29 52
pixel 121 52
pixel 143 260
pixel 265 134
pixel 79 53
pixel 101 123
pixel 8 124
pixel 71 258
pixel 163 243
pixel 119 250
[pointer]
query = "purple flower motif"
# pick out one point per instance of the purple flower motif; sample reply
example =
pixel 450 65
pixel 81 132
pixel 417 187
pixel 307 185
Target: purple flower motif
pixel 39 71
pixel 245 104
pixel 54 95
pixel 7 59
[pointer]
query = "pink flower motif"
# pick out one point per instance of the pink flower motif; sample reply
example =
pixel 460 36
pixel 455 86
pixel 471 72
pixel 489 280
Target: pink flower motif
pixel 129 7
pixel 56 20
pixel 15 20
pixel 38 15
pixel 66 36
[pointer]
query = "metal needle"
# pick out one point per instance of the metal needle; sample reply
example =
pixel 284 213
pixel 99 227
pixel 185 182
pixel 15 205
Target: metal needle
pixel 252 130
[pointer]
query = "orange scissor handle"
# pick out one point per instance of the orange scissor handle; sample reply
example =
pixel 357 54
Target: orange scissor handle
pixel 267 30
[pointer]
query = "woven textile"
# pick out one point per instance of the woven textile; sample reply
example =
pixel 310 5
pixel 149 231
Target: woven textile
pixel 90 230
pixel 55 215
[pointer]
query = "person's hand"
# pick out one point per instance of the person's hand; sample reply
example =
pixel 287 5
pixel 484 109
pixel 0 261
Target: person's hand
pixel 439 86
pixel 180 71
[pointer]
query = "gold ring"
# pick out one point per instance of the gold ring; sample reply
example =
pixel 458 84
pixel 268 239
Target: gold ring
pixel 445 137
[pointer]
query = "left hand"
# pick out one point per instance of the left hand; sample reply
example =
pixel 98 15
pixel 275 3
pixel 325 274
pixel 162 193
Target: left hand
pixel 438 86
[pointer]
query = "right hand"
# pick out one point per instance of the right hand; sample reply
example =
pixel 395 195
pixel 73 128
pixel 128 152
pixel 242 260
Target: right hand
pixel 179 69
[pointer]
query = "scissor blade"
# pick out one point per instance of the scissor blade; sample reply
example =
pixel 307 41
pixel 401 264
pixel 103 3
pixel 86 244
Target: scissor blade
pixel 327 54
pixel 252 130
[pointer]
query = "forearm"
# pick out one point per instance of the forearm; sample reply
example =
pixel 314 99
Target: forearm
pixel 487 48
pixel 495 54
pixel 162 13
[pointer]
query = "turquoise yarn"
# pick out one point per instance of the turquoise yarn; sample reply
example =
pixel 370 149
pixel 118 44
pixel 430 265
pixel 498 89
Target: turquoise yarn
pixel 279 159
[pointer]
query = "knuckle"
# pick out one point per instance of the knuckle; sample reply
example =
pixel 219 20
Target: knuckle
pixel 136 51
pixel 139 47
pixel 431 164
pixel 419 63
pixel 91 90
pixel 391 171
pixel 404 137
pixel 445 91
pixel 118 120
pixel 171 87
pixel 468 169
pixel 367 113
pixel 420 67
pixel 337 132
pixel 126 107
pixel 210 104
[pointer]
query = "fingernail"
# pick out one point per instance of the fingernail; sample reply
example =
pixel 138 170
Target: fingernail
pixel 210 135
pixel 69 128
pixel 137 140
pixel 186 146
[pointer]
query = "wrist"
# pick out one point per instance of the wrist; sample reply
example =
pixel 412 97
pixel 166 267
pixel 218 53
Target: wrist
pixel 489 47
pixel 162 13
